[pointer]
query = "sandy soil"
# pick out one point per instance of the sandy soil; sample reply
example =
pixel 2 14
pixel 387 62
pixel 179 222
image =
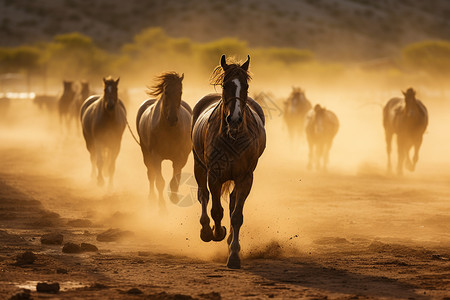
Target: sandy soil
pixel 350 233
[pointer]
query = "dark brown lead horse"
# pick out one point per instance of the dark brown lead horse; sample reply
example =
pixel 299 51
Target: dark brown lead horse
pixel 103 119
pixel 408 118
pixel 228 137
pixel 164 126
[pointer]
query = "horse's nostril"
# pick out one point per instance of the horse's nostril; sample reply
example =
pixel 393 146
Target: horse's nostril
pixel 240 119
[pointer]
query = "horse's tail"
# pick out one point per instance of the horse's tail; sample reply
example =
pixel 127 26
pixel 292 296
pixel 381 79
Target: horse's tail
pixel 227 188
pixel 141 110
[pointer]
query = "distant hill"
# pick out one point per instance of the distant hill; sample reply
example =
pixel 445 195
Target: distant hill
pixel 344 29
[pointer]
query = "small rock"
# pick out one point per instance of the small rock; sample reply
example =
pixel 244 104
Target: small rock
pixel 71 248
pixel 51 288
pixel 112 235
pixel 26 258
pixel 86 247
pixel 52 239
pixel 24 295
pixel 134 291
pixel 61 271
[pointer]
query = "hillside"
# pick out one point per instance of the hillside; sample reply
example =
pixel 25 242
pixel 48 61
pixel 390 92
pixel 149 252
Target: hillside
pixel 347 29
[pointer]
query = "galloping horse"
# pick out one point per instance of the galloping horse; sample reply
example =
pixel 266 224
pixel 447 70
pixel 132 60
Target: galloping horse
pixel 103 119
pixel 64 103
pixel 321 128
pixel 229 137
pixel 295 109
pixel 163 126
pixel 408 118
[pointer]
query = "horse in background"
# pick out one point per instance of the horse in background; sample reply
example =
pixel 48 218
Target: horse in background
pixel 163 126
pixel 228 137
pixel 321 128
pixel 64 104
pixel 295 109
pixel 103 120
pixel 408 119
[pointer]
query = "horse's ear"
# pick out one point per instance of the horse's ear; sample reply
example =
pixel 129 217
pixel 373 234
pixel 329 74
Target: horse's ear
pixel 223 62
pixel 182 77
pixel 117 81
pixel 245 65
pixel 104 80
pixel 404 94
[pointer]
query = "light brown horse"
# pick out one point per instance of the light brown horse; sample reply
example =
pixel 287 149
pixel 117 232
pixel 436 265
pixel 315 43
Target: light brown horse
pixel 295 109
pixel 103 119
pixel 163 126
pixel 408 118
pixel 321 128
pixel 229 137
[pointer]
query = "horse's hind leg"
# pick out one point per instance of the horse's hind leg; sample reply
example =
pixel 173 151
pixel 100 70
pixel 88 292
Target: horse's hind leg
pixel 203 197
pixel 215 187
pixel 401 150
pixel 242 189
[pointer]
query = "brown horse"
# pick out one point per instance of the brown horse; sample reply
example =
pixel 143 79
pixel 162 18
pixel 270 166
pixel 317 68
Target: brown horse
pixel 80 97
pixel 103 119
pixel 321 128
pixel 295 109
pixel 163 126
pixel 229 137
pixel 64 104
pixel 408 118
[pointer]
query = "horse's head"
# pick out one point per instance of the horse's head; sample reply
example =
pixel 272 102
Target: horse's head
pixel 68 86
pixel 234 79
pixel 297 95
pixel 410 96
pixel 110 97
pixel 170 87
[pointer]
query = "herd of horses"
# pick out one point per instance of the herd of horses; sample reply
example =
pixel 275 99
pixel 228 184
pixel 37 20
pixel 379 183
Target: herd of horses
pixel 226 134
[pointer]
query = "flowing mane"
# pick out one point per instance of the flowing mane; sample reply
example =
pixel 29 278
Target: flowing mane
pixel 219 76
pixel 162 81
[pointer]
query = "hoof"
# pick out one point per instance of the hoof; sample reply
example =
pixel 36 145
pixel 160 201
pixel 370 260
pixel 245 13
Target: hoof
pixel 206 234
pixel 234 262
pixel 174 198
pixel 221 235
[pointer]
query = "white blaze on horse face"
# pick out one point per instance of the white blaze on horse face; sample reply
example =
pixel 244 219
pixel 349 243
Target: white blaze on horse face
pixel 237 107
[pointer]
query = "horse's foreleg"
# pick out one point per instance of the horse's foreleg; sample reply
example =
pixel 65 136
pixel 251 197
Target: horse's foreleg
pixel 93 153
pixel 99 160
pixel 113 153
pixel 388 137
pixel 319 154
pixel 326 154
pixel 401 150
pixel 215 187
pixel 242 189
pixel 232 206
pixel 203 197
pixel 160 183
pixel 310 154
pixel 150 175
pixel 417 145
pixel 175 181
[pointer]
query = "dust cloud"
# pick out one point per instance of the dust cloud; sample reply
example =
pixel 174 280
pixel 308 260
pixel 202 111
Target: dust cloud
pixel 290 211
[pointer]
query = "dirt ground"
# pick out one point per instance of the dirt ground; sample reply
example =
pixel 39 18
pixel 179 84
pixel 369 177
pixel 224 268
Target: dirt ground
pixel 350 233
